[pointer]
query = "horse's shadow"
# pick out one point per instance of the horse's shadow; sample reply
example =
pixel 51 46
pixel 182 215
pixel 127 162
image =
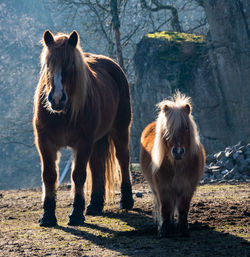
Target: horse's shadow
pixel 144 241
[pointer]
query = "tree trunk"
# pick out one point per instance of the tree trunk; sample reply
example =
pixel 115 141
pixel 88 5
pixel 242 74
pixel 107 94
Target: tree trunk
pixel 116 29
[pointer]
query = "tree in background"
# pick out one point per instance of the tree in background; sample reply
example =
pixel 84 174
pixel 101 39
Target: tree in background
pixel 116 26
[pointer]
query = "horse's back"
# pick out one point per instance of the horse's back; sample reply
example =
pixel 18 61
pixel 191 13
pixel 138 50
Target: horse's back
pixel 147 143
pixel 100 65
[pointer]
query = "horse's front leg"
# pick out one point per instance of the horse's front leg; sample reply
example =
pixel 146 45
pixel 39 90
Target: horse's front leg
pixel 81 156
pixel 48 156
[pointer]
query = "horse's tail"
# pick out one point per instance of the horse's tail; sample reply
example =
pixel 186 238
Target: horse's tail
pixel 112 176
pixel 106 151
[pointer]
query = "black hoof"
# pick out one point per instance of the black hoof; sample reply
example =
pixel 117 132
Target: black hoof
pixel 127 201
pixel 183 230
pixel 76 221
pixel 48 221
pixel 126 204
pixel 167 229
pixel 96 204
pixel 94 210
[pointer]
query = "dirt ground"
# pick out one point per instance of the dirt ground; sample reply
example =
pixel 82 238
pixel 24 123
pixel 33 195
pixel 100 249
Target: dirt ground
pixel 219 226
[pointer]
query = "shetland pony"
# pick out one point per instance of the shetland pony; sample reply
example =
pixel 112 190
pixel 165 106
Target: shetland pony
pixel 172 160
pixel 82 101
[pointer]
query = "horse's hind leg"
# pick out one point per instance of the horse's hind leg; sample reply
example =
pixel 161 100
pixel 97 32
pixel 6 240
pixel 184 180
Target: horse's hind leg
pixel 97 166
pixel 121 141
pixel 48 157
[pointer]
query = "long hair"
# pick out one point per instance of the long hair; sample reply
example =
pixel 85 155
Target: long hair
pixel 60 53
pixel 170 118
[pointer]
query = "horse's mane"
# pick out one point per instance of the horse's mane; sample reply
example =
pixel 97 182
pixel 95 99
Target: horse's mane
pixel 60 53
pixel 171 116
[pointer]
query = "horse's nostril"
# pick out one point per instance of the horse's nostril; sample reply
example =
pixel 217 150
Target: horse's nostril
pixel 50 97
pixel 63 99
pixel 174 150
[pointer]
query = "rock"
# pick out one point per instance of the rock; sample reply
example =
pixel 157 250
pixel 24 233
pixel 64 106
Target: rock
pixel 229 175
pixel 224 172
pixel 229 153
pixel 139 195
pixel 229 164
pixel 213 75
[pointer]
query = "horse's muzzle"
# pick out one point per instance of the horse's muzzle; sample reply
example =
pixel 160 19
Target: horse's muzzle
pixel 57 105
pixel 178 152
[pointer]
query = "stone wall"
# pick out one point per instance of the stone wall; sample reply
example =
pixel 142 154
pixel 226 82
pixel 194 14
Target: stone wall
pixel 214 72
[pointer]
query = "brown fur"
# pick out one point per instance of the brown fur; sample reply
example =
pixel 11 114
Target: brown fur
pixel 96 123
pixel 173 182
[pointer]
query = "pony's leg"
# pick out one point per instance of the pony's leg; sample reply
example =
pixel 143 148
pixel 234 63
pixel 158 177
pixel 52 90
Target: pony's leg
pixel 167 207
pixel 183 206
pixel 81 156
pixel 121 141
pixel 97 166
pixel 50 178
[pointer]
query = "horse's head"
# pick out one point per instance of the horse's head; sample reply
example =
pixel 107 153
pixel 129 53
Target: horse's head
pixel 59 68
pixel 177 127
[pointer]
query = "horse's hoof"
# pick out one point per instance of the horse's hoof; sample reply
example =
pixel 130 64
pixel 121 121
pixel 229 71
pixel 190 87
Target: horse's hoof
pixel 127 201
pixel 126 204
pixel 94 210
pixel 48 222
pixel 76 221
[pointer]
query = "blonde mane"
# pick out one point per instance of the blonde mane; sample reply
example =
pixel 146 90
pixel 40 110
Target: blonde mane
pixel 170 118
pixel 73 59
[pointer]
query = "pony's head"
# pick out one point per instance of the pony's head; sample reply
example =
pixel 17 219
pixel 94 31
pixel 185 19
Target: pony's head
pixel 64 71
pixel 175 127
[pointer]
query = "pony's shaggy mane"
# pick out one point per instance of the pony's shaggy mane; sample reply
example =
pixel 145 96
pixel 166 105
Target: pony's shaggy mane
pixel 171 117
pixel 60 52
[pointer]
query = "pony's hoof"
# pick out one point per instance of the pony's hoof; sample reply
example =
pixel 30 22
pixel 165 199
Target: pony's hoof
pixel 183 230
pixel 167 230
pixel 48 222
pixel 76 221
pixel 94 210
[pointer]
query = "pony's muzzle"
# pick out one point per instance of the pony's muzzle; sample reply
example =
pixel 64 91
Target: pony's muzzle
pixel 57 103
pixel 178 152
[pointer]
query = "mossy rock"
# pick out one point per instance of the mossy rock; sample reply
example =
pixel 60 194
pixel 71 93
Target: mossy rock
pixel 178 37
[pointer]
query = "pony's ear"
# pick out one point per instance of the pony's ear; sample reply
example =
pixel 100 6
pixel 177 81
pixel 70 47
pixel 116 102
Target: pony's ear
pixel 48 38
pixel 165 108
pixel 73 38
pixel 188 108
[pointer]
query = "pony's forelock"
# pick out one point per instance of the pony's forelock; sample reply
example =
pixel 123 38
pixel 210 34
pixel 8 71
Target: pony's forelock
pixel 171 116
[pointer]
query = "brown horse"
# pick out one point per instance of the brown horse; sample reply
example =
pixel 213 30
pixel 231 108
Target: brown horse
pixel 82 101
pixel 172 160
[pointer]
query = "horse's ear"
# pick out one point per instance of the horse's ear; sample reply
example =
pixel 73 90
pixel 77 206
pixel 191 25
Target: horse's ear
pixel 73 38
pixel 188 108
pixel 48 38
